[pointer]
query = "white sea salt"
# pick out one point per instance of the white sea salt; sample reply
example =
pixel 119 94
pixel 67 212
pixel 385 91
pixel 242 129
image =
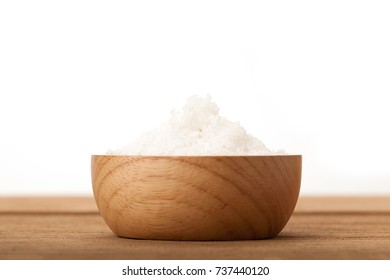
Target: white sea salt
pixel 197 129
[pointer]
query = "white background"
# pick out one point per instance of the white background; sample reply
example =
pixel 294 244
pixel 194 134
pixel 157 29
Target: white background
pixel 79 77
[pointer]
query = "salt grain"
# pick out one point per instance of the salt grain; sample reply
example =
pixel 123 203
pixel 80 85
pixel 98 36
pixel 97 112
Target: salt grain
pixel 197 129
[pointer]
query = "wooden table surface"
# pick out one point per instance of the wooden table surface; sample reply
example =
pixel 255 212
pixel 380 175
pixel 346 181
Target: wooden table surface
pixel 71 228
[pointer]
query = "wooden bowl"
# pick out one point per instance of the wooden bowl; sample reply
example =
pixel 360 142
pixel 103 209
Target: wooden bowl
pixel 196 197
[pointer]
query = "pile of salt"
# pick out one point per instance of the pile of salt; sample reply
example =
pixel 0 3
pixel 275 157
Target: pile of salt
pixel 197 129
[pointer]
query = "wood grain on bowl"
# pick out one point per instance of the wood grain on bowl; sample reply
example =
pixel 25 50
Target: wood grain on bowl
pixel 196 197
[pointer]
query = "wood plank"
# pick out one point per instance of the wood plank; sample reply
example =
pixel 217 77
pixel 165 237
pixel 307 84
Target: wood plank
pixel 48 204
pixel 70 228
pixel 86 204
pixel 86 236
pixel 333 204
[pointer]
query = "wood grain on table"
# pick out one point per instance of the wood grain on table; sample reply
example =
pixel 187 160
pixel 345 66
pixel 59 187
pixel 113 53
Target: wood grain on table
pixel 71 228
